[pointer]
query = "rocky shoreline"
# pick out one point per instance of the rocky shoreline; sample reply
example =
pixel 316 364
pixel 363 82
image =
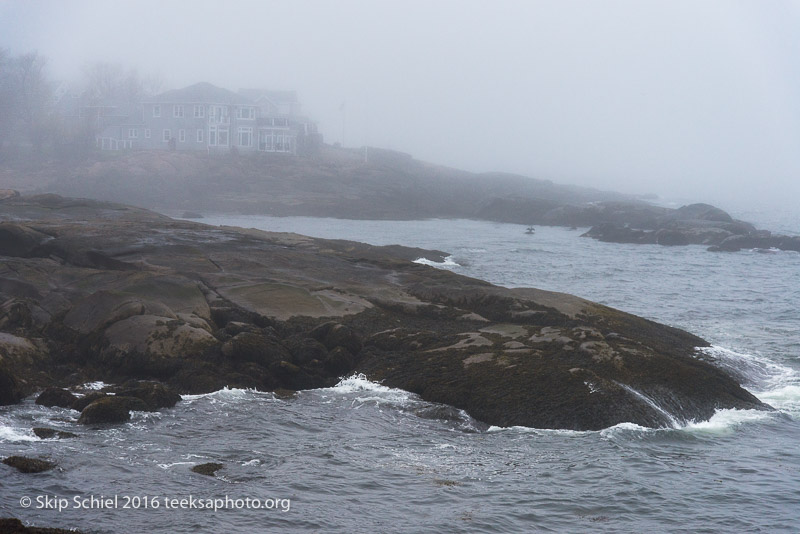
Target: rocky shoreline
pixel 98 291
pixel 695 224
pixel 340 183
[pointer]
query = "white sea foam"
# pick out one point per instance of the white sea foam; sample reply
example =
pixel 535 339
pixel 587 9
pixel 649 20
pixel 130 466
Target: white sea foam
pixel 94 386
pixel 378 393
pixel 726 420
pixel 359 382
pixel 622 428
pixel 228 394
pixel 448 262
pixel 9 434
pixel 532 430
pixel 173 464
pixel 759 372
pixel 786 398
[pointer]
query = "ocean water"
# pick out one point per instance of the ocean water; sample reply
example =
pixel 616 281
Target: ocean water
pixel 361 457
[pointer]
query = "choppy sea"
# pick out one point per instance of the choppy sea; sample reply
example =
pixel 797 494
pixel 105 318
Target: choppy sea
pixel 360 457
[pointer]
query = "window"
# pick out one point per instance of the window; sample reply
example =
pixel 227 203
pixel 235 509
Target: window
pixel 182 136
pixel 212 136
pixel 199 112
pixel 156 111
pixel 133 133
pixel 245 113
pixel 199 136
pixel 265 140
pixel 147 133
pixel 245 137
pixel 222 137
pixel 167 135
pixel 177 111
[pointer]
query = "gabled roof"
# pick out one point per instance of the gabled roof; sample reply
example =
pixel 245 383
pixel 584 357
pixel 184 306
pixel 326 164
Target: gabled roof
pixel 202 92
pixel 274 96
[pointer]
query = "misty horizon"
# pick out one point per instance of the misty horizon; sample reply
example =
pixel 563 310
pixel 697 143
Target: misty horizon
pixel 686 100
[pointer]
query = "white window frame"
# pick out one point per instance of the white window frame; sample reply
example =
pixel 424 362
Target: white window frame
pixel 250 115
pixel 133 133
pixel 147 133
pixel 182 135
pixel 200 136
pixel 166 135
pixel 199 111
pixel 246 130
pixel 157 110
pixel 177 111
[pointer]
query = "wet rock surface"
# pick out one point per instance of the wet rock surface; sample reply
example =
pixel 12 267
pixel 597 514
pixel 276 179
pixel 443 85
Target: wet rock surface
pixel 208 469
pixel 109 410
pixel 164 307
pixel 695 224
pixel 56 397
pixel 27 465
pixel 50 433
pixel 10 525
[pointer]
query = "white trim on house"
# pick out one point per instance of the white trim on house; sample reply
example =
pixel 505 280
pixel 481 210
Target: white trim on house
pixel 245 136
pixel 199 111
pixel 199 136
pixel 147 133
pixel 177 111
pixel 166 135
pixel 182 135
pixel 133 133
pixel 245 113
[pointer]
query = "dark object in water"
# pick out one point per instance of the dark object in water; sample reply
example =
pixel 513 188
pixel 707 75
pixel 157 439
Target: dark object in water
pixel 530 230
pixel 208 469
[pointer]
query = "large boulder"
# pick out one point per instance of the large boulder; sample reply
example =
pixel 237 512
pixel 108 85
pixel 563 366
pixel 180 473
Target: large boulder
pixel 158 336
pixel 49 433
pixel 56 397
pixel 255 347
pixel 112 409
pixel 17 240
pixel 10 391
pixel 24 464
pixel 154 394
pixel 305 350
pixel 332 335
pixel 10 525
pixel 82 402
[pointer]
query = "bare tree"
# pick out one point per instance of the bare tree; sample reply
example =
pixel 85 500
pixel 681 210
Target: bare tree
pixel 36 97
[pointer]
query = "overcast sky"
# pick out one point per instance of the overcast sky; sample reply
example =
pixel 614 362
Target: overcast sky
pixel 699 99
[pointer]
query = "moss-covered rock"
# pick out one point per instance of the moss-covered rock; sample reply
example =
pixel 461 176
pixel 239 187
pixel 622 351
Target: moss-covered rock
pixel 23 464
pixel 255 347
pixel 111 409
pixel 82 402
pixel 10 391
pixel 208 469
pixel 49 433
pixel 154 394
pixel 10 525
pixel 56 397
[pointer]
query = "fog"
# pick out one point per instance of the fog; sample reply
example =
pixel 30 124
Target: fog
pixel 698 100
